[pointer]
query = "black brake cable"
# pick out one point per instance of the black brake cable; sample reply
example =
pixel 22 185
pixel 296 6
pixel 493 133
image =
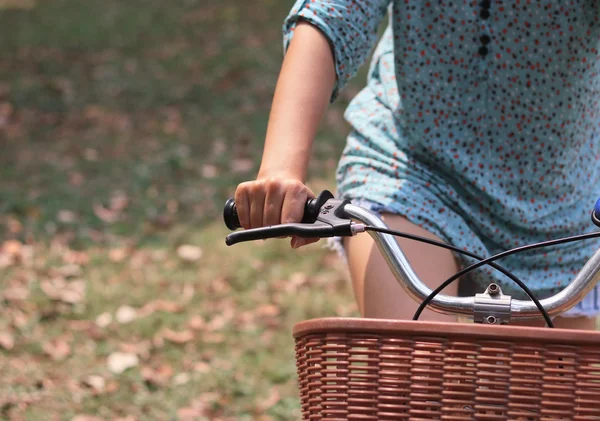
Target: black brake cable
pixel 435 292
pixel 499 256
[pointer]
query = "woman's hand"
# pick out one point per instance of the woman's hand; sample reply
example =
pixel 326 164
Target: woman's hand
pixel 273 200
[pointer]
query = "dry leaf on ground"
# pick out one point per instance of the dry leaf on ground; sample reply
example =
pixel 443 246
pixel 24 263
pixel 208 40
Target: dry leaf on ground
pixel 7 340
pixel 15 293
pixel 58 349
pixel 104 319
pixel 86 418
pixel 70 270
pixel 59 289
pixel 107 215
pixel 159 376
pixel 190 414
pixel 98 383
pixel 178 337
pixel 241 165
pixel 189 253
pixel 181 379
pixel 141 349
pixel 17 4
pixel 66 216
pixel 126 314
pixel 118 362
pixel 202 367
pixel 269 402
pixel 159 305
pixel 117 255
pixel 267 310
pixel 196 323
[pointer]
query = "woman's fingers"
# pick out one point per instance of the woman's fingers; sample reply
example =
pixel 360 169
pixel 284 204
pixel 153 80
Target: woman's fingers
pixel 257 206
pixel 273 202
pixel 242 204
pixel 294 201
pixel 293 211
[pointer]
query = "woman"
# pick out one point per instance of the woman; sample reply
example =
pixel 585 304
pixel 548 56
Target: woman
pixel 478 127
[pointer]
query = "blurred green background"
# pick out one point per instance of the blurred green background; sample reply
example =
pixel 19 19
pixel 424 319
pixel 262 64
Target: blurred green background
pixel 124 126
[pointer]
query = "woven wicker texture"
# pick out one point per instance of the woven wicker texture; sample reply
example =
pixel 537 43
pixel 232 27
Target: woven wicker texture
pixel 373 370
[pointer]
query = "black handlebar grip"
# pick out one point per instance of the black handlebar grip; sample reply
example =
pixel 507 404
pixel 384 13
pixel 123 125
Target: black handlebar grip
pixel 311 210
pixel 230 216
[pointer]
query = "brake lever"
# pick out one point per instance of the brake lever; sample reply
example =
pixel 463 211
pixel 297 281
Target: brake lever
pixel 331 222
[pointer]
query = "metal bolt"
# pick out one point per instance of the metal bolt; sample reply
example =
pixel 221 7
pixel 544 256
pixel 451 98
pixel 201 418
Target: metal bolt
pixel 493 289
pixel 491 320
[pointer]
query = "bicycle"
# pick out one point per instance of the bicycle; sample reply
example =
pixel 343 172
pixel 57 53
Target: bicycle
pixel 374 369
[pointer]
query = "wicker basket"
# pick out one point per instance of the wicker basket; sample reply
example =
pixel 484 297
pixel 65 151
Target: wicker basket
pixel 366 369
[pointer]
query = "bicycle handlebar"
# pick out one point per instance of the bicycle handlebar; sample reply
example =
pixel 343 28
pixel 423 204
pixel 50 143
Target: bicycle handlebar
pixel 334 219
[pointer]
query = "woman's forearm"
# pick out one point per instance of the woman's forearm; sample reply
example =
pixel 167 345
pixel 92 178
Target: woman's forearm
pixel 301 97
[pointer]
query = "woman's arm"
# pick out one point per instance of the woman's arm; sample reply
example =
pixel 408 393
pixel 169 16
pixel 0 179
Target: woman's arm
pixel 301 97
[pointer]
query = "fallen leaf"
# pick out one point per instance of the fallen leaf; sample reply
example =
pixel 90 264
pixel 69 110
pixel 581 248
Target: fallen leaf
pixel 74 293
pixel 80 325
pixel 189 253
pixel 59 289
pixel 7 340
pixel 66 216
pixel 91 154
pixel 141 349
pixel 15 293
pixel 107 215
pixel 159 305
pixel 95 382
pixel 269 402
pixel 202 367
pixel 104 319
pixel 111 387
pixel 5 260
pixel 241 165
pixel 157 376
pixel 57 349
pixel 181 379
pixel 86 417
pixel 219 321
pixel 190 414
pixel 19 319
pixel 76 178
pixel 118 362
pixel 188 293
pixel 126 314
pixel 117 255
pixel 119 201
pixel 78 257
pixel 14 225
pixel 12 247
pixel 68 271
pixel 267 310
pixel 196 323
pixel 180 337
pixel 213 338
pixel 209 171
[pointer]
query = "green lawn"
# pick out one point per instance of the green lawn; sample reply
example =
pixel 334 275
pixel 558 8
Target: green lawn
pixel 124 126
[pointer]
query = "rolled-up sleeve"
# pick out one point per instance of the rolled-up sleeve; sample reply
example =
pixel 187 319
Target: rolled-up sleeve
pixel 349 25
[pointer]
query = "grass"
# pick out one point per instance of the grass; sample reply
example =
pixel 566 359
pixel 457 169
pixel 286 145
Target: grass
pixel 124 126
